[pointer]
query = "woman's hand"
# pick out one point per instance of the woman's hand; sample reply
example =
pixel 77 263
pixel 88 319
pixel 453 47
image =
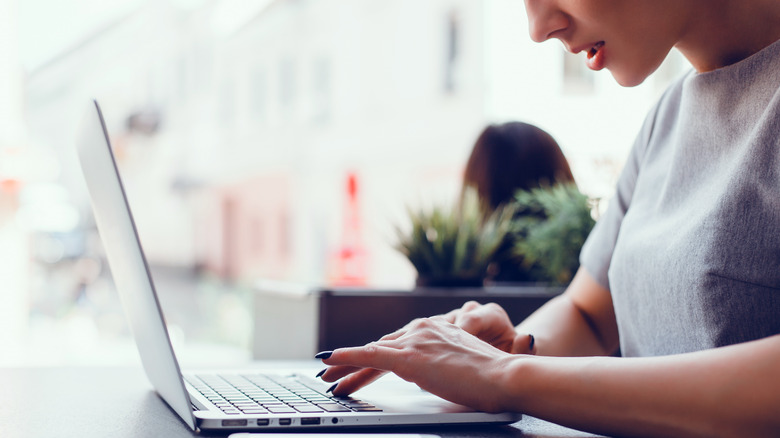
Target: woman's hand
pixel 491 323
pixel 434 353
pixel 488 322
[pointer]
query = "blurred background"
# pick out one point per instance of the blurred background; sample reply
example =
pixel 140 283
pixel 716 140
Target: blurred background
pixel 260 140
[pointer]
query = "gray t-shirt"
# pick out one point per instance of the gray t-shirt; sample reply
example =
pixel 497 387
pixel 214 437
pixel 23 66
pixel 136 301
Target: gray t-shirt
pixel 690 245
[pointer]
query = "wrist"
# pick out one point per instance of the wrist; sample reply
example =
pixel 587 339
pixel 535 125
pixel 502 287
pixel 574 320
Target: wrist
pixel 512 378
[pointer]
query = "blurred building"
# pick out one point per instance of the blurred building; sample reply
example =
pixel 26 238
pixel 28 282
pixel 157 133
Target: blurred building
pixel 14 250
pixel 309 91
pixel 236 131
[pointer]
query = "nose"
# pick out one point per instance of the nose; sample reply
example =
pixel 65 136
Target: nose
pixel 544 19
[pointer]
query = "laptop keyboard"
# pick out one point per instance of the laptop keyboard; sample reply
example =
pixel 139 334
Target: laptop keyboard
pixel 256 394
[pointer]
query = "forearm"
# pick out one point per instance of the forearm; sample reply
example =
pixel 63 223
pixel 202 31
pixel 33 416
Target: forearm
pixel 562 328
pixel 730 391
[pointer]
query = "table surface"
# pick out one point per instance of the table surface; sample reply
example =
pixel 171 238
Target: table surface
pixel 120 402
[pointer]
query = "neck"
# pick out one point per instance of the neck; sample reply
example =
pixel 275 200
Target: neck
pixel 724 32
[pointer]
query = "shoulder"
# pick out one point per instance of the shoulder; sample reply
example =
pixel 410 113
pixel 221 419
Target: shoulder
pixel 662 117
pixel 667 108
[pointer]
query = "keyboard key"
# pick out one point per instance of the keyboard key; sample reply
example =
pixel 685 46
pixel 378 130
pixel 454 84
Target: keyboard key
pixel 307 409
pixel 280 409
pixel 358 404
pixel 255 393
pixel 333 407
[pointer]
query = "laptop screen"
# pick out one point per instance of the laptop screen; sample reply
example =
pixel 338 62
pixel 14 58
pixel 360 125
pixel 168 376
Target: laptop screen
pixel 128 263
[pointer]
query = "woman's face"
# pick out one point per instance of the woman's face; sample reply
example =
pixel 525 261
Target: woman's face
pixel 630 38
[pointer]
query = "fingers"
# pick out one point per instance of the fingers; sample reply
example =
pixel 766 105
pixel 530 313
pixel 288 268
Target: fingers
pixel 488 322
pixel 472 315
pixel 470 319
pixel 331 374
pixel 452 315
pixel 375 355
pixel 524 344
pixel 469 306
pixel 405 329
pixel 352 383
pixel 357 366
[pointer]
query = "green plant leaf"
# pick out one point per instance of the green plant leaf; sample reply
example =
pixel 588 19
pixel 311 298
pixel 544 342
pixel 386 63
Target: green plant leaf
pixel 458 242
pixel 557 222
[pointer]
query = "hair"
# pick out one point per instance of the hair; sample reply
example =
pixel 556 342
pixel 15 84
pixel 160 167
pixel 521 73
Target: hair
pixel 510 157
pixel 506 158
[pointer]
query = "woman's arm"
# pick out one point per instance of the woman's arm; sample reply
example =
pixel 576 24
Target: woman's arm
pixel 579 322
pixel 732 391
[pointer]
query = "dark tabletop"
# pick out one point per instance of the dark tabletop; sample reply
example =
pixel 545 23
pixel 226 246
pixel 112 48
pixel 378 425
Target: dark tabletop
pixel 119 402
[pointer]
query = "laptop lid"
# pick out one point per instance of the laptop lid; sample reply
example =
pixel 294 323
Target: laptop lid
pixel 128 263
pixel 402 402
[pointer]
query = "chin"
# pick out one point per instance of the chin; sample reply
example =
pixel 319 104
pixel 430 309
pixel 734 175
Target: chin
pixel 635 73
pixel 628 80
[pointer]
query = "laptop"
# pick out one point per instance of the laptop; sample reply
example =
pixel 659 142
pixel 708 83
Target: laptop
pixel 242 399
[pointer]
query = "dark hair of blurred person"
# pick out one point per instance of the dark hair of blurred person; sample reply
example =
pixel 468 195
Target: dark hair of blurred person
pixel 506 158
pixel 513 156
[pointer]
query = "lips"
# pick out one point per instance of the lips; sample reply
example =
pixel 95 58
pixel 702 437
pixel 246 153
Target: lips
pixel 595 49
pixel 596 57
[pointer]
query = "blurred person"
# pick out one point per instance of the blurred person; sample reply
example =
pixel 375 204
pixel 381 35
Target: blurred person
pixel 506 158
pixel 514 156
pixel 681 272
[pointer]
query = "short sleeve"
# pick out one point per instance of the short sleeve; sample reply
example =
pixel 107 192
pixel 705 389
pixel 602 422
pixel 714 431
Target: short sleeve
pixel 596 253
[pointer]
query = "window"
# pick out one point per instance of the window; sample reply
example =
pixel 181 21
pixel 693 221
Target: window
pixel 181 79
pixel 452 52
pixel 259 95
pixel 287 81
pixel 227 101
pixel 321 100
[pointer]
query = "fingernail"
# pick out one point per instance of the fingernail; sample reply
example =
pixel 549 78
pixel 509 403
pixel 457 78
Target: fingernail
pixel 332 387
pixel 321 372
pixel 323 355
pixel 531 344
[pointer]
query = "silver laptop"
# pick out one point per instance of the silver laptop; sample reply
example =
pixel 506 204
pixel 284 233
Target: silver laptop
pixel 248 399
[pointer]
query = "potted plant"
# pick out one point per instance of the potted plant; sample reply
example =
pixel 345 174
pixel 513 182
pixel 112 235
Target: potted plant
pixel 549 231
pixel 453 247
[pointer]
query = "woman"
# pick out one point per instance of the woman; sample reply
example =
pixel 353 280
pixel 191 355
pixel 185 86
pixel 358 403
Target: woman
pixel 683 270
pixel 506 158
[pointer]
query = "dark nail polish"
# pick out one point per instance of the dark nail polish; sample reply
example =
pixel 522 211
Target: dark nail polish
pixel 323 355
pixel 531 344
pixel 321 372
pixel 332 387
